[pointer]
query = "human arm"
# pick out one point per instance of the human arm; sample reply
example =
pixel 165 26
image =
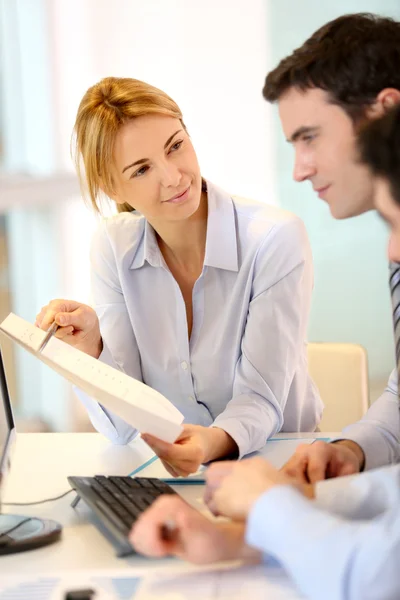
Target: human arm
pixel 335 550
pixel 271 386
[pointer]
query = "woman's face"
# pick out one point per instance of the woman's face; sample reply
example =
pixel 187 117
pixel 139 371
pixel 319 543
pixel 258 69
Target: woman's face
pixel 156 169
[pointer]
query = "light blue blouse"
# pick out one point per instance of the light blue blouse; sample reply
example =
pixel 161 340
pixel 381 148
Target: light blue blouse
pixel 244 368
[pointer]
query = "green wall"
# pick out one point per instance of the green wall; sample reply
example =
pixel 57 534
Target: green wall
pixel 351 297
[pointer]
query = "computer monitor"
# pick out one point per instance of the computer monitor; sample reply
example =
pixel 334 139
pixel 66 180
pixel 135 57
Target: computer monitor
pixel 17 532
pixel 7 430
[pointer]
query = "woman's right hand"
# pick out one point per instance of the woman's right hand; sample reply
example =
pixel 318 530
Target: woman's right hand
pixel 78 325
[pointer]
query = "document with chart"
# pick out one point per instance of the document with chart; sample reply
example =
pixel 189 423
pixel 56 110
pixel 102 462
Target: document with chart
pixel 138 404
pixel 223 582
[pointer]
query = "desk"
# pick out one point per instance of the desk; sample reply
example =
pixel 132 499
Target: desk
pixel 40 466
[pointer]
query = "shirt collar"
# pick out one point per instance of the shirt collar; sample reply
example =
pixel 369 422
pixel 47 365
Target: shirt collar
pixel 221 241
pixel 148 249
pixel 221 238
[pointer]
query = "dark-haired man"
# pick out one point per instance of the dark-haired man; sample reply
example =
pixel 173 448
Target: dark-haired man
pixel 346 74
pixel 344 544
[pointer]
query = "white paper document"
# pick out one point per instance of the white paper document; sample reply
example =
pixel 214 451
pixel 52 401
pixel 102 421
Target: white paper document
pixel 255 582
pixel 278 451
pixel 138 404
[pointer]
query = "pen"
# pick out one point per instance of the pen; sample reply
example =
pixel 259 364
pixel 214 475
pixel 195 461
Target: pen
pixel 50 332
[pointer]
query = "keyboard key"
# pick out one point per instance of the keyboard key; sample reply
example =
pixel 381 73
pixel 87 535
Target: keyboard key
pixel 117 522
pixel 146 483
pixel 163 487
pixel 134 483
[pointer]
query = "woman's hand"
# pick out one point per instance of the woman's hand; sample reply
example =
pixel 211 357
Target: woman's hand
pixel 78 325
pixel 196 445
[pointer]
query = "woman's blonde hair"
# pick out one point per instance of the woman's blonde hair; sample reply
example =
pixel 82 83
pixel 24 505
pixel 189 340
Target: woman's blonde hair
pixel 103 110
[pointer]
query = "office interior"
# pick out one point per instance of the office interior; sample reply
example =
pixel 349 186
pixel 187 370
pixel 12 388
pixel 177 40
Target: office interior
pixel 211 57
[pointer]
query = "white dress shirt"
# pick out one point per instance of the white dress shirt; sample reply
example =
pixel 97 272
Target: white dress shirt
pixel 244 368
pixel 345 545
pixel 378 432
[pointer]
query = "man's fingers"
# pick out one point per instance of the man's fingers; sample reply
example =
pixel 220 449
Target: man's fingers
pixel 152 535
pixel 310 463
pixel 346 469
pixel 318 462
pixel 214 476
pixel 147 536
pixel 217 471
pixel 296 467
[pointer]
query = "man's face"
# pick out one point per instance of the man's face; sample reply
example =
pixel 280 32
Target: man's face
pixel 324 140
pixel 389 209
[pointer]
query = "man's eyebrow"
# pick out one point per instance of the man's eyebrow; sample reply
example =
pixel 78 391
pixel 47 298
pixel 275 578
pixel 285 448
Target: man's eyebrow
pixel 302 131
pixel 143 160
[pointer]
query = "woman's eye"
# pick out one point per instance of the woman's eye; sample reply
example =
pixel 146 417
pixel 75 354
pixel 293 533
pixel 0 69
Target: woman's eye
pixel 139 172
pixel 176 146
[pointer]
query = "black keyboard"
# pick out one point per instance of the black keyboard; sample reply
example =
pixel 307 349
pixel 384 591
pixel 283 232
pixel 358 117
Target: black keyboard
pixel 116 503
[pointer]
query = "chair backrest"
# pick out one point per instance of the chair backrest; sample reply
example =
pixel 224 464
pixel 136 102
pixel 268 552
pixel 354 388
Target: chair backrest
pixel 340 371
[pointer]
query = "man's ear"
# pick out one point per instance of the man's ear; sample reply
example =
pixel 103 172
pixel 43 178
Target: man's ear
pixel 385 100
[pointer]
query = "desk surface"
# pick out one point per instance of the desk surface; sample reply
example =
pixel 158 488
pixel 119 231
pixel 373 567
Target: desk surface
pixel 41 464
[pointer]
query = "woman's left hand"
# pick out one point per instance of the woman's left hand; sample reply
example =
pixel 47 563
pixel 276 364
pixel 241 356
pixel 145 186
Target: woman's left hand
pixel 195 445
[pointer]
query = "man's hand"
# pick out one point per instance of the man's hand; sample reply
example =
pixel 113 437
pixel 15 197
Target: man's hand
pixel 196 445
pixel 172 527
pixel 317 461
pixel 235 487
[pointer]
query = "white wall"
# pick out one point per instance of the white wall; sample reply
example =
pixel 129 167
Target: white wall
pixel 210 56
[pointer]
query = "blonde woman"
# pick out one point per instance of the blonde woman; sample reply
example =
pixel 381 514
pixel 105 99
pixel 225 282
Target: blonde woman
pixel 203 296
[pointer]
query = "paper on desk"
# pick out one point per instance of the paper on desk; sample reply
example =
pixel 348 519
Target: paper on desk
pixel 257 582
pixel 138 404
pixel 279 451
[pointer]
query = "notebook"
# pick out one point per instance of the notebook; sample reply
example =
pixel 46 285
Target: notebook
pixel 138 404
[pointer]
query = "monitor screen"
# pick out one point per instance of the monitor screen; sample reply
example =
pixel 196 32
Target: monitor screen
pixel 6 424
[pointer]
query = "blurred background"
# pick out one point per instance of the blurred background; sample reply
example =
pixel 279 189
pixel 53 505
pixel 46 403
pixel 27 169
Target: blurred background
pixel 211 56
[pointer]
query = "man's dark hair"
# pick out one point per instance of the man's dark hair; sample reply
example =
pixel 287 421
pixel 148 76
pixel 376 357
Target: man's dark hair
pixel 353 58
pixel 379 145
